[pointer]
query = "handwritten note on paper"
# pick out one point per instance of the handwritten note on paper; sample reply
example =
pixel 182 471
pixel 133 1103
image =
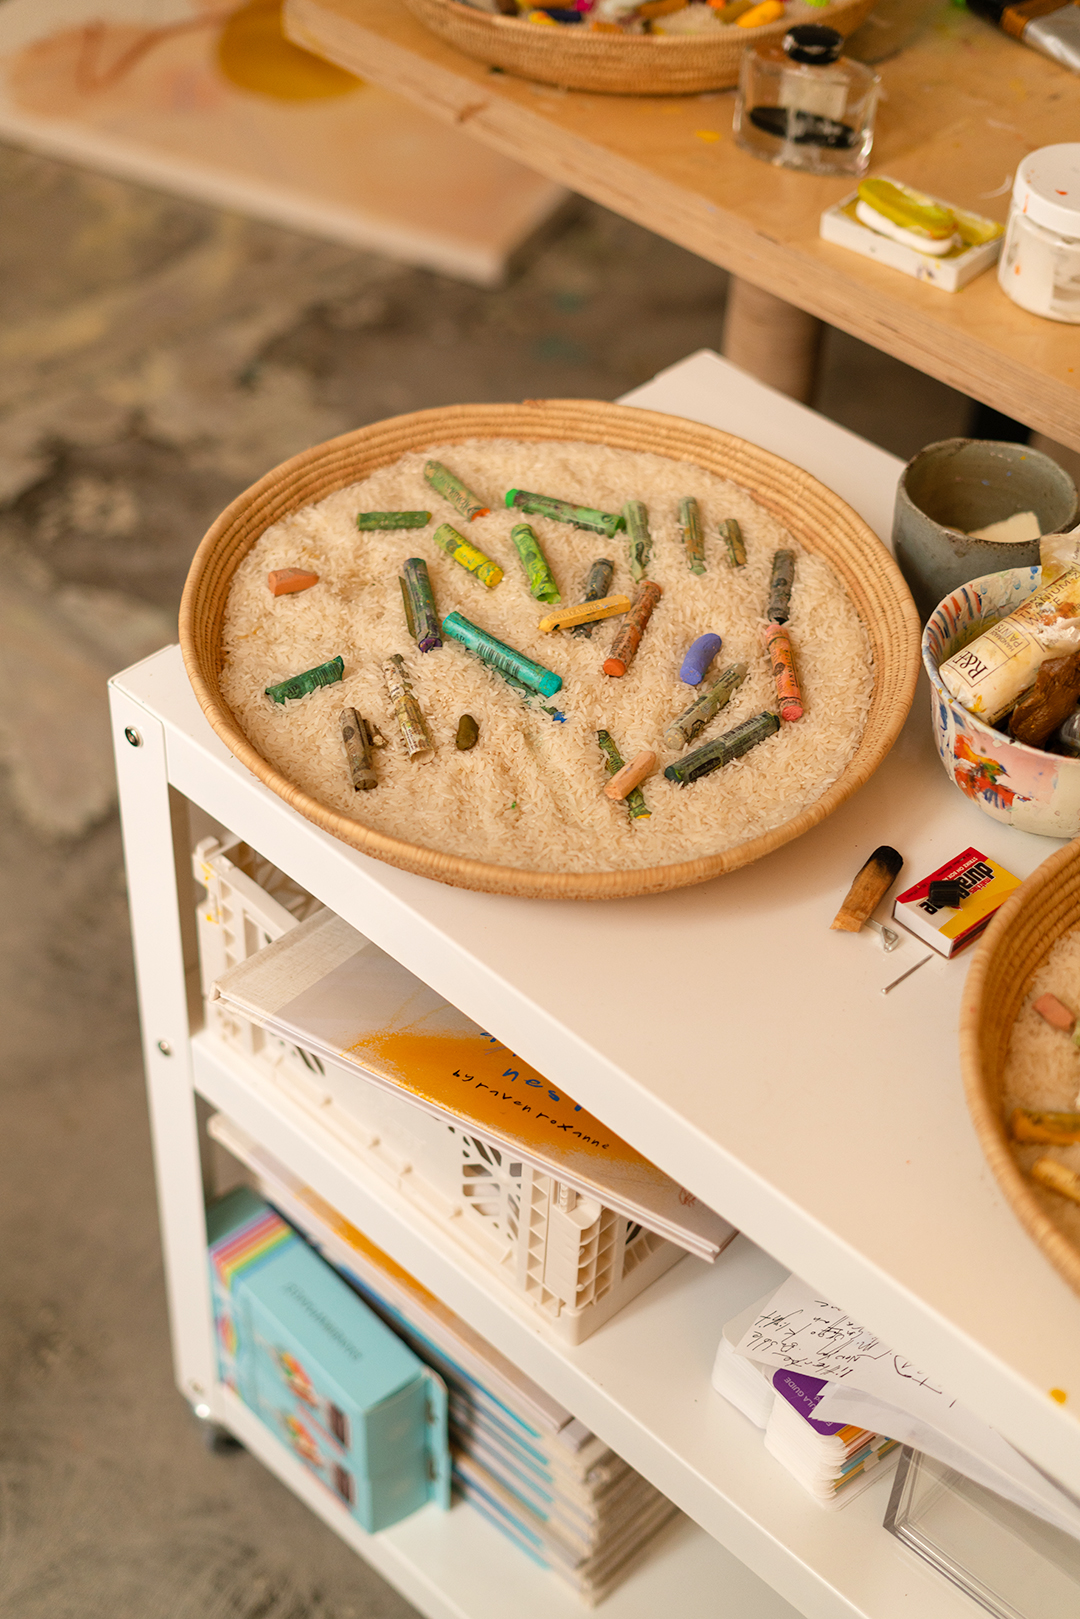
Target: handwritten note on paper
pixel 803 1332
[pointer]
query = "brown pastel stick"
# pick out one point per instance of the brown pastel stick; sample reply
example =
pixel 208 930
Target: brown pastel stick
pixel 869 889
pixel 1054 1129
pixel 1050 1008
pixel 283 581
pixel 782 664
pixel 628 640
pixel 632 775
pixel 1059 1179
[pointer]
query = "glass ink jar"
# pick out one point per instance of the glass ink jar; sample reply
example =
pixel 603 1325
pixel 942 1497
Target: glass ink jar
pixel 1039 266
pixel 804 106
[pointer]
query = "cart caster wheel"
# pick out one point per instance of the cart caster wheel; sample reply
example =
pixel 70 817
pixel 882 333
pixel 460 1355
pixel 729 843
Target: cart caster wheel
pixel 217 1439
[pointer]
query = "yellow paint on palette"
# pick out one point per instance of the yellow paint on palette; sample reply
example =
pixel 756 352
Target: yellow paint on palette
pixel 1059 1395
pixel 708 135
pixel 479 1080
pixel 254 54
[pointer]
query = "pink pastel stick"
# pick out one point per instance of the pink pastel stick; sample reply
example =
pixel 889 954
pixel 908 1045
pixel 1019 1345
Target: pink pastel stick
pixel 1057 1015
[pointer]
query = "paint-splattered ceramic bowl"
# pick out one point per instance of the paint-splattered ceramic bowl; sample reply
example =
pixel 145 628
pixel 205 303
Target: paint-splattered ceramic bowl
pixel 1022 786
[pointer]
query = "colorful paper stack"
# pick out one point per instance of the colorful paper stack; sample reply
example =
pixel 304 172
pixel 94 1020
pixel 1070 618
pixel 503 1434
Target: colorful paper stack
pixel 521 1459
pixel 318 1367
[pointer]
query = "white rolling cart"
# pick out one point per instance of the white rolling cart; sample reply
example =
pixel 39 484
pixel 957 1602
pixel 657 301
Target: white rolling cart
pixel 725 1032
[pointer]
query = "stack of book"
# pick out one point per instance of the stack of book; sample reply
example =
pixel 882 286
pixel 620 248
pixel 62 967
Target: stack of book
pixel 519 1458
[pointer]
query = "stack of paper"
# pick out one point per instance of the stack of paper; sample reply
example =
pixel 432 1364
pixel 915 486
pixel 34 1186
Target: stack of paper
pixel 521 1459
pixel 842 1380
pixel 324 987
pixel 834 1461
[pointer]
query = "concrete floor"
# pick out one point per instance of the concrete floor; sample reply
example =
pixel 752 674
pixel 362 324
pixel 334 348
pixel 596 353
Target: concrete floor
pixel 156 357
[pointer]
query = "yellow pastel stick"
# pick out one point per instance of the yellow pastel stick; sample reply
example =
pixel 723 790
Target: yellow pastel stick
pixel 767 11
pixel 585 613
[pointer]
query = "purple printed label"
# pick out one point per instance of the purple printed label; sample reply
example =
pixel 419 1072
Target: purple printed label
pixel 804 1392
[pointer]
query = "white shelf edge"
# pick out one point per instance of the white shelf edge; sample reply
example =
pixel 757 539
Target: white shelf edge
pixel 828 1565
pixel 457 1566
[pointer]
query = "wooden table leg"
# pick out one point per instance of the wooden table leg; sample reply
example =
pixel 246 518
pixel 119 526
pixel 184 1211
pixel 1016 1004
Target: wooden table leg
pixel 771 339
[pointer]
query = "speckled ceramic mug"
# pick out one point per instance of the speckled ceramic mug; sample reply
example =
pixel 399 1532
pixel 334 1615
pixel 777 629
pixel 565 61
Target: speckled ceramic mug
pixel 959 484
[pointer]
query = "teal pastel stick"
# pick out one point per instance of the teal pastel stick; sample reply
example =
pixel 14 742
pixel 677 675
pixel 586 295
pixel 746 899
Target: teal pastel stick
pixel 500 656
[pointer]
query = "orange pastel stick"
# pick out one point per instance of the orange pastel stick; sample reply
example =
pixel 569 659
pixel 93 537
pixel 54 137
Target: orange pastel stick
pixel 782 659
pixel 283 581
pixel 628 639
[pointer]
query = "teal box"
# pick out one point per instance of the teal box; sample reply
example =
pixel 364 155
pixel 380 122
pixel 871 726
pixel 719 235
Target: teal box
pixel 321 1370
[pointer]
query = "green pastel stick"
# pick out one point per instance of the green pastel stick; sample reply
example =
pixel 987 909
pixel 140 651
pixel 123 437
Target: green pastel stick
pixel 693 720
pixel 373 520
pixel 561 511
pixel 450 487
pixel 640 546
pixel 326 674
pixel 541 580
pixel 732 745
pixel 693 538
pixel 731 534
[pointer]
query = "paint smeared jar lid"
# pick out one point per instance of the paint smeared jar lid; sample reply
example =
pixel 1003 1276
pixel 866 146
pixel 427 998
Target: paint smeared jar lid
pixel 1047 188
pixel 813 44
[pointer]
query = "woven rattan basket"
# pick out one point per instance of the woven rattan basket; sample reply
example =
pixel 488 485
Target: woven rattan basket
pixel 628 64
pixel 1015 945
pixel 819 520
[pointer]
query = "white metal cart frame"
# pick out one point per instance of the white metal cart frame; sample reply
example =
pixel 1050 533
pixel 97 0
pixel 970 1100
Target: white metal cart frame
pixel 723 1030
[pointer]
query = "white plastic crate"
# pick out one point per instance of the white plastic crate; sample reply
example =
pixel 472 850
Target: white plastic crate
pixel 568 1256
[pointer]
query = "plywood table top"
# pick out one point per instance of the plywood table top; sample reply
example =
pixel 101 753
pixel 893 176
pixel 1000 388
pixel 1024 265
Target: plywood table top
pixel 961 107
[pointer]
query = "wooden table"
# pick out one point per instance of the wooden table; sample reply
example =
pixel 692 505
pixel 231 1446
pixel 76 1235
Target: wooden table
pixel 961 107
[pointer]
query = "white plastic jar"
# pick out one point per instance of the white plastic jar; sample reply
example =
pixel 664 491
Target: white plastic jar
pixel 1039 266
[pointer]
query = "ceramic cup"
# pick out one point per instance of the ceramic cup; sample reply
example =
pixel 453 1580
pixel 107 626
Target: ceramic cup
pixel 959 484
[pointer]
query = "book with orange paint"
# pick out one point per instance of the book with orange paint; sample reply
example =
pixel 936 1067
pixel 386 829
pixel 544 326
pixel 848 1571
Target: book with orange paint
pixel 326 988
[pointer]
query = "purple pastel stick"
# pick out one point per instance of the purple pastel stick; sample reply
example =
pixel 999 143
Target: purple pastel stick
pixel 698 659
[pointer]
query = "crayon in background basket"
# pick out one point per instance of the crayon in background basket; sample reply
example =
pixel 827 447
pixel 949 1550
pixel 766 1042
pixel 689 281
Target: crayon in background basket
pixel 782 664
pixel 597 585
pixel 357 741
pixel 734 544
pixel 420 604
pixel 407 711
pixel 625 645
pixel 366 521
pixel 732 745
pixel 500 656
pixel 561 511
pixel 693 537
pixel 693 720
pixel 467 556
pixel 640 540
pixel 324 674
pixel 635 800
pixel 537 571
pixel 450 487
pixel 780 584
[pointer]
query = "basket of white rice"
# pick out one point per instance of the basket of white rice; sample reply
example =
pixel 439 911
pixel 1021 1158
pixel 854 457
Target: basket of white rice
pixel 524 810
pixel 1020 1059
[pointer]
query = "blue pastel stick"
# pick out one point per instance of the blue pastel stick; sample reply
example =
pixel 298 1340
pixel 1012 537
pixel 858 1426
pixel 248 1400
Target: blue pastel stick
pixel 698 659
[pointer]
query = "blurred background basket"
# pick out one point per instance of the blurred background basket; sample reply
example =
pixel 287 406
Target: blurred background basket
pixel 629 64
pixel 818 519
pixel 1015 945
